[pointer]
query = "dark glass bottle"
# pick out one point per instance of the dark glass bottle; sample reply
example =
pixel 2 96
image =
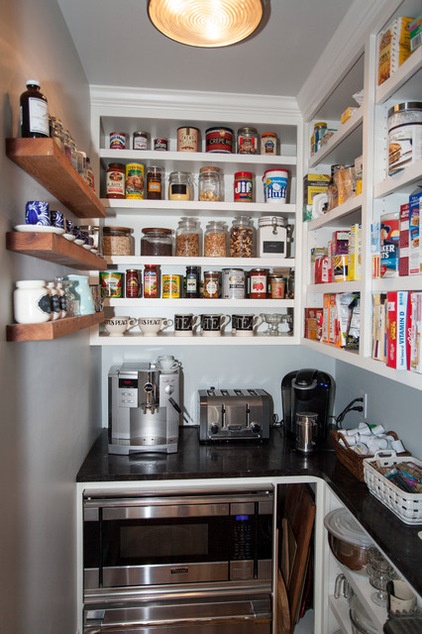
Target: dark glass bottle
pixel 34 111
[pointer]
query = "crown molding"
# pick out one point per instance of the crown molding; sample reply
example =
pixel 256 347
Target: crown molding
pixel 127 101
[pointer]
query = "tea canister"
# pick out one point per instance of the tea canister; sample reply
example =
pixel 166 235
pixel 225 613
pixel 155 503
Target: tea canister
pixel 111 284
pixel 219 139
pixel 247 141
pixel 272 237
pixel 31 302
pixel 243 187
pixel 188 139
pixel 115 181
pixel 135 180
pixel 275 183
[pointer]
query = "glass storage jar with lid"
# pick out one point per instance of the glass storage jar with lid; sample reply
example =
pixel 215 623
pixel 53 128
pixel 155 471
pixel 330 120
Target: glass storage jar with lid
pixel 242 238
pixel 210 184
pixel 156 241
pixel 188 237
pixel 215 239
pixel 180 186
pixel 118 241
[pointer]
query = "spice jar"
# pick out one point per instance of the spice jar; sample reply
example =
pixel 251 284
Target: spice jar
pixel 188 237
pixel 155 178
pixel 115 181
pixel 156 241
pixel 210 184
pixel 242 238
pixel 118 241
pixel 215 239
pixel 247 141
pixel 180 186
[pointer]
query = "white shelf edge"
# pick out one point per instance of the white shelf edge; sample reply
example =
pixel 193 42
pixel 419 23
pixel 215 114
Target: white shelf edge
pixel 167 339
pixel 411 379
pixel 401 181
pixel 198 157
pixel 216 209
pixel 408 283
pixel 235 304
pixel 202 261
pixel 336 287
pixel 405 72
pixel 338 137
pixel 351 205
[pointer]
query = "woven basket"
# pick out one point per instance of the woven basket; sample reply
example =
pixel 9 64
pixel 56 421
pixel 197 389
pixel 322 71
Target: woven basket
pixel 349 458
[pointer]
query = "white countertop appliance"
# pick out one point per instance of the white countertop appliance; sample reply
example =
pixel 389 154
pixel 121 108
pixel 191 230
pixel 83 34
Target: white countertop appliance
pixel 144 408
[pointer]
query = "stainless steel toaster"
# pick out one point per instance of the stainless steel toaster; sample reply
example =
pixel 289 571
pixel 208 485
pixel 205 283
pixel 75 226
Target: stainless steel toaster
pixel 235 414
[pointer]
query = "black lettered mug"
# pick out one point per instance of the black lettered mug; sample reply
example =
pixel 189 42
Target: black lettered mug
pixel 245 325
pixel 184 325
pixel 213 325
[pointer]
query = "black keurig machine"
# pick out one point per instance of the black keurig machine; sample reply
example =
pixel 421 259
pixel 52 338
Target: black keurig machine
pixel 307 390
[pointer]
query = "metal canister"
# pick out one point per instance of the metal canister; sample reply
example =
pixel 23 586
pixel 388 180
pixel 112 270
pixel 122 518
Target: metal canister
pixel 111 283
pixel 233 284
pixel 188 139
pixel 117 140
pixel 135 173
pixel 219 140
pixel 133 283
pixel 172 286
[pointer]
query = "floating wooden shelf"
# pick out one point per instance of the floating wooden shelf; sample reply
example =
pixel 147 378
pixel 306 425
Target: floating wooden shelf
pixel 54 248
pixel 47 164
pixel 51 329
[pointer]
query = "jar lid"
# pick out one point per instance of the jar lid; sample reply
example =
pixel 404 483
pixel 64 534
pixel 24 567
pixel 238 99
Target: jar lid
pixel 320 124
pixel 156 230
pixel 111 229
pixel 141 133
pixel 343 525
pixel 270 221
pixel 210 168
pixel 180 174
pixel 33 82
pixel 243 175
pixel 407 105
pixel 273 134
pixel 247 130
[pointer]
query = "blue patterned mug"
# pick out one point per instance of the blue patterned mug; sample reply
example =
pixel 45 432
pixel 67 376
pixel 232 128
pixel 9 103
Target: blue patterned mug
pixel 37 212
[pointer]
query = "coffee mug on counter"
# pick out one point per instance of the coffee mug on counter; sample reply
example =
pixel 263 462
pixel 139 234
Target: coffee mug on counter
pixel 213 325
pixel 117 326
pixel 152 326
pixel 245 325
pixel 184 325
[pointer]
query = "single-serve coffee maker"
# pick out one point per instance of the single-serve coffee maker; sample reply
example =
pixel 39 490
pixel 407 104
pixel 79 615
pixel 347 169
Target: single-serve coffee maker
pixel 307 391
pixel 144 407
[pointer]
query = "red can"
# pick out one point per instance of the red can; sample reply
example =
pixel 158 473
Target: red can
pixel 133 283
pixel 219 140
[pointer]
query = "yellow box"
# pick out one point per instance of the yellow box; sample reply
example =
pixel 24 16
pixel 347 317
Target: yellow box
pixel 348 113
pixel 393 48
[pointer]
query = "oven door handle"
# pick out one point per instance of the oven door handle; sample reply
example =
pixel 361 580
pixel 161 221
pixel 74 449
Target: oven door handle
pixel 166 511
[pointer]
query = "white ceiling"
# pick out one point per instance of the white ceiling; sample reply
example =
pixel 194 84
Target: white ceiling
pixel 118 46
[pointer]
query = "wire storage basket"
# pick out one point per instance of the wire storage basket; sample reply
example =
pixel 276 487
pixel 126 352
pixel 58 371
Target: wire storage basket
pixel 407 506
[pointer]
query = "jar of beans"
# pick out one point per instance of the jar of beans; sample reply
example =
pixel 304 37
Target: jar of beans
pixel 118 241
pixel 188 237
pixel 242 238
pixel 215 239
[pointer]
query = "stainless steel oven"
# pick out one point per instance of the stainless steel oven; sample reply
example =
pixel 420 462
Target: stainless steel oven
pixel 195 562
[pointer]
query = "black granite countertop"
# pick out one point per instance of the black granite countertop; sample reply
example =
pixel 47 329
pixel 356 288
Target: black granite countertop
pixel 275 458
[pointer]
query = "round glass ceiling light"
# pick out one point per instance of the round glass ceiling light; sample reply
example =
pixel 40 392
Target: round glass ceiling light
pixel 206 23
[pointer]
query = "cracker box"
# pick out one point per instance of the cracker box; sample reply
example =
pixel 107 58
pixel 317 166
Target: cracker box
pixel 313 184
pixel 396 330
pixel 404 240
pixel 393 47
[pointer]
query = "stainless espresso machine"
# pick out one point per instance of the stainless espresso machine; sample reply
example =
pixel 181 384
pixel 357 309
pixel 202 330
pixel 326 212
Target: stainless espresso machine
pixel 144 408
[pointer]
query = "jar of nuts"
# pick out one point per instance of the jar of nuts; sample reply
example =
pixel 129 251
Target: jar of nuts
pixel 210 186
pixel 242 238
pixel 215 239
pixel 118 241
pixel 188 237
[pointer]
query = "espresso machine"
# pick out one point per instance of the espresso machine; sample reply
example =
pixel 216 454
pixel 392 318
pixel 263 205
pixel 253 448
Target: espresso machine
pixel 144 408
pixel 307 391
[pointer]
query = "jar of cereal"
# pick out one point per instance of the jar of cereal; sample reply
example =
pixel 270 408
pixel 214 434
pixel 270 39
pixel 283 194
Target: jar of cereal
pixel 118 241
pixel 188 237
pixel 242 238
pixel 215 239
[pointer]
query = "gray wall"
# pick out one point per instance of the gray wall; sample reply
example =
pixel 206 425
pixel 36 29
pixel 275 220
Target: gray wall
pixel 46 389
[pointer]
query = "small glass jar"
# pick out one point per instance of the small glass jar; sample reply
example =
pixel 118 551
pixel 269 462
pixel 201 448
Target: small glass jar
pixel 155 183
pixel 67 147
pixel 192 281
pixel 276 286
pixel 242 238
pixel 56 132
pixel 140 140
pixel 89 174
pixel 247 141
pixel 212 284
pixel 210 184
pixel 180 186
pixel 258 284
pixel 215 239
pixel 269 143
pixel 118 241
pixel 156 241
pixel 188 237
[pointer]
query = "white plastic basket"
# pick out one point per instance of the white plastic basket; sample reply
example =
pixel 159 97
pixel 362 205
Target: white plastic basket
pixel 407 506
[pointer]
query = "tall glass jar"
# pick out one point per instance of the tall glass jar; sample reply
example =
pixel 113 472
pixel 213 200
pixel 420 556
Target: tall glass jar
pixel 155 183
pixel 242 238
pixel 210 186
pixel 188 237
pixel 180 186
pixel 215 239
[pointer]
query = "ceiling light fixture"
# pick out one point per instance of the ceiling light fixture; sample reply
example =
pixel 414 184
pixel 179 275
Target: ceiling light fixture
pixel 206 23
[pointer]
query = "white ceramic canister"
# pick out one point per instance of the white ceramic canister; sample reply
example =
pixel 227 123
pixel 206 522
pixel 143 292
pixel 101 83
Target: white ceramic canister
pixel 275 183
pixel 272 237
pixel 31 302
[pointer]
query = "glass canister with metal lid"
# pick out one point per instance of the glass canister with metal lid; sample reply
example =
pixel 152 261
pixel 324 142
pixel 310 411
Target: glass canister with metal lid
pixel 247 141
pixel 273 237
pixel 180 186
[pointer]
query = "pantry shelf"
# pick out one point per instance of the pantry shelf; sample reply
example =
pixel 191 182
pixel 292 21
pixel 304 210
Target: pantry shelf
pixel 51 329
pixel 46 163
pixel 54 248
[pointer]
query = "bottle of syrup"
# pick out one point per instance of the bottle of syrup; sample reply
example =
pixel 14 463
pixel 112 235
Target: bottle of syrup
pixel 34 111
